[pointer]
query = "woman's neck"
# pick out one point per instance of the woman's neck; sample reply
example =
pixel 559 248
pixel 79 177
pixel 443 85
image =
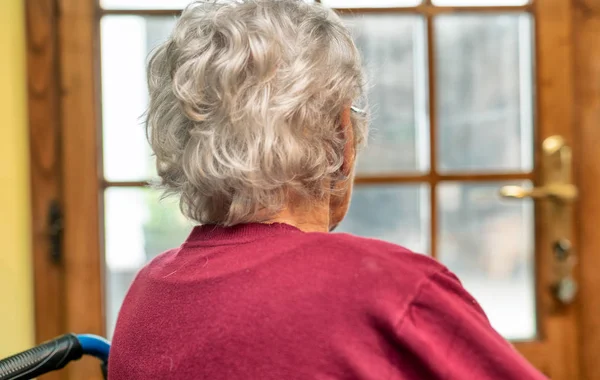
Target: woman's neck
pixel 307 217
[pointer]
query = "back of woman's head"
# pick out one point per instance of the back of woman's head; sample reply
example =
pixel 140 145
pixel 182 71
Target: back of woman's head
pixel 245 101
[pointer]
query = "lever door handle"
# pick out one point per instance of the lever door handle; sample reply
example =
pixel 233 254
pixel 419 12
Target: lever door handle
pixel 560 192
pixel 557 187
pixel 556 166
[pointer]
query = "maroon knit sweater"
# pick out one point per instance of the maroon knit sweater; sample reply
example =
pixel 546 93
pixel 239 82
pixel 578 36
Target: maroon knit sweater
pixel 263 301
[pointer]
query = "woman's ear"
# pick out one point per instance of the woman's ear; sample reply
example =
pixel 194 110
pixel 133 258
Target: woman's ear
pixel 348 133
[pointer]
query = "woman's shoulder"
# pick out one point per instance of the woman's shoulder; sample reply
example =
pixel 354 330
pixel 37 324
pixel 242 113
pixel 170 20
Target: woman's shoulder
pixel 370 260
pixel 370 249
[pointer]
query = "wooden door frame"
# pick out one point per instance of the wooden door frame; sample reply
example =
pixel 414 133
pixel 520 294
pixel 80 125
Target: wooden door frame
pixel 45 150
pixel 62 41
pixel 554 116
pixel 587 169
pixel 63 118
pixel 78 29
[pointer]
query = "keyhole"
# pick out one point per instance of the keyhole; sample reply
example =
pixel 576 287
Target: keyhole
pixel 562 249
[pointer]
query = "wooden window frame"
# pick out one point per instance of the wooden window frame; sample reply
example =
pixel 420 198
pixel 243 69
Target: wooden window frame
pixel 64 115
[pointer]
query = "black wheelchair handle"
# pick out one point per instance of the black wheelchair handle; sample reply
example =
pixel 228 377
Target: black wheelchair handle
pixel 49 356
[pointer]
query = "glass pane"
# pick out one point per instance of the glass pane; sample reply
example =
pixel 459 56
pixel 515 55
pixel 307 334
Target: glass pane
pixel 398 214
pixel 484 93
pixel 126 43
pixel 137 228
pixel 370 3
pixel 489 244
pixel 149 4
pixel 479 3
pixel 393 50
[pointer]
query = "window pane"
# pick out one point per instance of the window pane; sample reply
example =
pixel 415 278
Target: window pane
pixel 126 43
pixel 393 50
pixel 488 243
pixel 137 228
pixel 479 3
pixel 149 4
pixel 370 3
pixel 484 93
pixel 398 214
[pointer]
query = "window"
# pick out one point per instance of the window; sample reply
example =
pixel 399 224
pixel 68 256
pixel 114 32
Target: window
pixel 452 103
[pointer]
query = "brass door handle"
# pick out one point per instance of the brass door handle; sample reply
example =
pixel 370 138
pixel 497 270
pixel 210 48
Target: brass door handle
pixel 557 186
pixel 560 192
pixel 558 189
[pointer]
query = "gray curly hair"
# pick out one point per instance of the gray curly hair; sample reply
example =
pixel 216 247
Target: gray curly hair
pixel 245 104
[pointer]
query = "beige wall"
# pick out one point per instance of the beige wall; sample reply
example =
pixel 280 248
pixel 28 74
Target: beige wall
pixel 16 293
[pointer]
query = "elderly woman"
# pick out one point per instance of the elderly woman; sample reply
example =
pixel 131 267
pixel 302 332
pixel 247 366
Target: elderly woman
pixel 252 122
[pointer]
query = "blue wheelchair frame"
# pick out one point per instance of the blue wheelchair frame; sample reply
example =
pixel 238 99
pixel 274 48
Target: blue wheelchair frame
pixel 54 355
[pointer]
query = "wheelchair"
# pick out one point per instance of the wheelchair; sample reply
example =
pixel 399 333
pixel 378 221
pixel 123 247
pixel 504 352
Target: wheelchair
pixel 54 355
